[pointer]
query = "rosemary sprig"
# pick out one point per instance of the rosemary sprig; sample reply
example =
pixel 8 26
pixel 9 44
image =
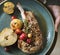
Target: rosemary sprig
pixel 26 25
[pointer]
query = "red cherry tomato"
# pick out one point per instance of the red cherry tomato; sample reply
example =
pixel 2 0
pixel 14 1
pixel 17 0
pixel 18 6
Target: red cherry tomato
pixel 18 31
pixel 23 36
pixel 28 41
pixel 13 17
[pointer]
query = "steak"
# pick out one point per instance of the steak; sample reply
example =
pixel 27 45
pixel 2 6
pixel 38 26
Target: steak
pixel 37 39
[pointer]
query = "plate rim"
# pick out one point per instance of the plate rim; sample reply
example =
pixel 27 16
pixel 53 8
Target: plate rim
pixel 52 21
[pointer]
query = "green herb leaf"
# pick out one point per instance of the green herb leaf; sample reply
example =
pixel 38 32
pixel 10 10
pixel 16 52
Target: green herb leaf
pixel 26 25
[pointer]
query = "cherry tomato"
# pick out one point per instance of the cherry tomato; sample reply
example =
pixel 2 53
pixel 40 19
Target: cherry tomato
pixel 23 36
pixel 13 17
pixel 18 31
pixel 28 41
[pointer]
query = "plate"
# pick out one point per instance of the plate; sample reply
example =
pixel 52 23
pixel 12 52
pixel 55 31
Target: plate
pixel 44 19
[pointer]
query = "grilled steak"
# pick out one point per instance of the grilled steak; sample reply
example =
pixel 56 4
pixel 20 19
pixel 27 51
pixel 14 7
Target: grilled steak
pixel 37 39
